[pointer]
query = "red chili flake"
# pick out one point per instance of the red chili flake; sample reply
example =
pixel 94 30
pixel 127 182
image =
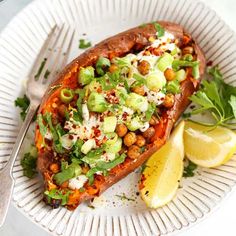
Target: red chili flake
pixel 209 63
pixel 124 116
pixel 73 126
pixel 97 132
pixel 71 136
pixel 192 106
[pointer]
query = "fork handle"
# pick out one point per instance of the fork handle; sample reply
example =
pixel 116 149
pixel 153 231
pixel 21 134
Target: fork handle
pixel 7 182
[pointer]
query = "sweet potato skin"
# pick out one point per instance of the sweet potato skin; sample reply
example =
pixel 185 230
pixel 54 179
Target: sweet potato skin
pixel 116 46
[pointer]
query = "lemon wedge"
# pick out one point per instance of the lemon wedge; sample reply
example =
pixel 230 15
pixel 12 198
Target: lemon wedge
pixel 163 170
pixel 208 147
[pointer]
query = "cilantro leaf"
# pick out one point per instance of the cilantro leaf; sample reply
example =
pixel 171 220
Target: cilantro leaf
pixel 83 44
pixel 189 169
pixel 28 163
pixel 160 30
pixel 232 103
pixel 58 195
pixel 23 103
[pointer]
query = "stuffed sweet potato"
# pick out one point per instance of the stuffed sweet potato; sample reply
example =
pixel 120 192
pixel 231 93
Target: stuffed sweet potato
pixel 112 108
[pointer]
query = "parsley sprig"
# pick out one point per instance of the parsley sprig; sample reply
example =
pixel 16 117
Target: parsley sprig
pixel 218 98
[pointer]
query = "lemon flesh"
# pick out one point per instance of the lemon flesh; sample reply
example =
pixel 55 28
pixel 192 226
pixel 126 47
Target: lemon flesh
pixel 163 171
pixel 208 147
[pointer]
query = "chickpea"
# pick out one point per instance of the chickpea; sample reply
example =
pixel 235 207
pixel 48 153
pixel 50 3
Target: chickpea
pixel 187 50
pixel 130 139
pixel 154 120
pixel 149 133
pixel 62 110
pixel 169 74
pixel 169 100
pixel 133 152
pixel 121 130
pixel 140 141
pixel 139 90
pixel 54 167
pixel 113 68
pixel 143 67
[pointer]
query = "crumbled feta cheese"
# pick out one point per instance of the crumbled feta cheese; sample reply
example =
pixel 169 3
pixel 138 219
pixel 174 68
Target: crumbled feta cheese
pixel 67 141
pixel 78 182
pixel 156 97
pixel 145 127
pixel 85 112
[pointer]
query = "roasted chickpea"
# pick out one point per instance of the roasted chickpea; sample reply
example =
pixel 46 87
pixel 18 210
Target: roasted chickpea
pixel 187 50
pixel 62 110
pixel 113 68
pixel 139 90
pixel 169 74
pixel 149 133
pixel 130 139
pixel 133 152
pixel 169 100
pixel 154 120
pixel 143 67
pixel 121 130
pixel 140 141
pixel 54 167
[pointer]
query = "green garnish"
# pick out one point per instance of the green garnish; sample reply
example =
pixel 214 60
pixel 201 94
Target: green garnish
pixel 160 30
pixel 81 93
pixel 36 77
pixel 28 163
pixel 42 127
pixel 150 111
pixel 218 98
pixel 58 195
pixel 83 44
pixel 86 75
pixel 124 197
pixel 173 87
pixel 177 64
pixel 23 103
pixel 97 102
pixel 66 95
pixel 104 166
pixel 68 171
pixel 140 80
pixel 46 74
pixel 189 169
pixel 102 65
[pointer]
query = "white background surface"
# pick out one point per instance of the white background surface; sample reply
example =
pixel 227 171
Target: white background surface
pixel 221 222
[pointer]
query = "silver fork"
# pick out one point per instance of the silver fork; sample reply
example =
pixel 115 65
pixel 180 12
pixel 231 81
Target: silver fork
pixel 51 58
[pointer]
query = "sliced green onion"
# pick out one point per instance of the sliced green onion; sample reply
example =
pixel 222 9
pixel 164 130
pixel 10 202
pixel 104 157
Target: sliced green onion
pixel 134 124
pixel 137 102
pixel 102 65
pixel 181 63
pixel 97 102
pixel 195 71
pixel 66 95
pixel 112 138
pixel 86 75
pixel 109 124
pixel 164 62
pixel 156 80
pixel 114 148
pixel 188 57
pixel 180 75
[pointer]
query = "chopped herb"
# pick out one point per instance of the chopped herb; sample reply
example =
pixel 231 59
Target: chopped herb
pixel 142 149
pixel 102 65
pixel 173 87
pixel 28 163
pixel 150 111
pixel 36 77
pixel 58 195
pixel 82 189
pixel 83 44
pixel 160 30
pixel 140 80
pixel 218 98
pixel 47 73
pixel 42 127
pixel 79 102
pixel 68 171
pixel 23 103
pixel 123 197
pixel 189 169
pixel 91 206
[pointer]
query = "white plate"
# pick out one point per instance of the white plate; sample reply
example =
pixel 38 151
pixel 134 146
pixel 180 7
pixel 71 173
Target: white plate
pixel 19 44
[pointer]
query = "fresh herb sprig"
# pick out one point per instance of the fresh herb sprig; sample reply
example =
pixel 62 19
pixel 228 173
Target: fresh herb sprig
pixel 83 44
pixel 23 103
pixel 218 98
pixel 189 169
